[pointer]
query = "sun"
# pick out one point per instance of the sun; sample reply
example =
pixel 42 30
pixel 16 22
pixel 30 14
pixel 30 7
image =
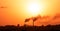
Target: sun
pixel 34 9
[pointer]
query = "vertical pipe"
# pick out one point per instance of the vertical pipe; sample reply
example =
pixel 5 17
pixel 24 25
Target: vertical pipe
pixel 33 25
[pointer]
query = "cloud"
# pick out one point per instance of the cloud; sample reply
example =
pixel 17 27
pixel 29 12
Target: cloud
pixel 45 20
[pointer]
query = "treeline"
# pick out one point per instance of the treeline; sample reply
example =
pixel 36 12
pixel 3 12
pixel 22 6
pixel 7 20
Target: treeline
pixel 30 28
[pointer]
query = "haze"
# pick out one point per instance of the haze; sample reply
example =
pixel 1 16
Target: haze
pixel 16 11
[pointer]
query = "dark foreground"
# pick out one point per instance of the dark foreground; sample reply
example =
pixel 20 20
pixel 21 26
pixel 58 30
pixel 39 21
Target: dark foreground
pixel 30 28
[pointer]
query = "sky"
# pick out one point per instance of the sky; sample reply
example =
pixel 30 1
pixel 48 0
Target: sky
pixel 16 11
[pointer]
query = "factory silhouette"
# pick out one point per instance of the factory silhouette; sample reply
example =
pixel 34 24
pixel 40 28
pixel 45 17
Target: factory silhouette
pixel 26 27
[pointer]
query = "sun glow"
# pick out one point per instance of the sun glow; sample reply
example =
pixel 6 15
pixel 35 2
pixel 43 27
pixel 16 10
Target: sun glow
pixel 34 9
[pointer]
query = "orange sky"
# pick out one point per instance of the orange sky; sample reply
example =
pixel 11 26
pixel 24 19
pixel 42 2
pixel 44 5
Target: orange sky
pixel 15 11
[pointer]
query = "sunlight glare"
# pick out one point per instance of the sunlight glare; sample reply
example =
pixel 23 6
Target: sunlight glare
pixel 34 9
